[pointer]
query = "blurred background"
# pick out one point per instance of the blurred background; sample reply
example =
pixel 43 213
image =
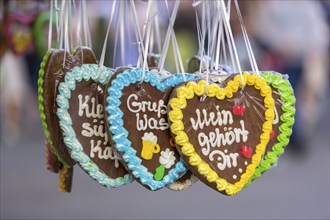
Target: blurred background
pixel 290 37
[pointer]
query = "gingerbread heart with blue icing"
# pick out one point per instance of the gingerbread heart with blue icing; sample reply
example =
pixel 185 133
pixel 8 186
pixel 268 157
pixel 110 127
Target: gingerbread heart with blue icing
pixel 137 116
pixel 221 130
pixel 81 117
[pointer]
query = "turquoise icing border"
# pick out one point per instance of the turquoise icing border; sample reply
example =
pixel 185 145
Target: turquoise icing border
pixel 120 134
pixel 77 74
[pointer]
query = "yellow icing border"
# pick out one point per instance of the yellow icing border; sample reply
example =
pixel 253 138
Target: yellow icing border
pixel 179 102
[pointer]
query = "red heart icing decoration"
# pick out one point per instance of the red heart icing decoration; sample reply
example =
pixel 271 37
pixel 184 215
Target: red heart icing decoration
pixel 246 151
pixel 272 134
pixel 239 110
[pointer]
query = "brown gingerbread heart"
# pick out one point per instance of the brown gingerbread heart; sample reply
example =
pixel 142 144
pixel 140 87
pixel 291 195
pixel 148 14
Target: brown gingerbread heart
pixel 51 73
pixel 87 114
pixel 284 98
pixel 81 117
pixel 137 118
pixel 222 133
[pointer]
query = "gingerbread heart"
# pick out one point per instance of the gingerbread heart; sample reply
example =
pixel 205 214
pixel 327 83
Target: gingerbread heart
pixel 81 118
pixel 209 136
pixel 137 116
pixel 18 32
pixel 51 72
pixel 52 162
pixel 283 95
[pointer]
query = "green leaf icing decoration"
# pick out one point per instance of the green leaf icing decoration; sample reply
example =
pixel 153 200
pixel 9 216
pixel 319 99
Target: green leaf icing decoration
pixel 160 171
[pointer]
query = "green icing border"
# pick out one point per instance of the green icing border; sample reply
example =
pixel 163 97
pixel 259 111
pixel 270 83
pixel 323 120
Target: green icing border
pixel 42 108
pixel 277 81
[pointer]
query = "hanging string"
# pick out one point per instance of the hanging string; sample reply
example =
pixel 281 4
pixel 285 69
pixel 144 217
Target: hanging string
pixel 157 33
pixel 70 13
pixel 220 33
pixel 116 39
pixel 87 32
pixel 50 34
pixel 199 34
pixel 106 36
pixel 252 59
pixel 152 37
pixel 145 63
pixel 151 13
pixel 138 35
pixel 79 28
pixel 66 31
pixel 122 32
pixel 231 38
pixel 168 35
pixel 176 50
pixel 61 24
pixel 57 20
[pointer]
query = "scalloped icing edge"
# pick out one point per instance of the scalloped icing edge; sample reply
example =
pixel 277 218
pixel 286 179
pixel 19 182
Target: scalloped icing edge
pixel 179 101
pixel 122 144
pixel 85 72
pixel 279 82
pixel 41 105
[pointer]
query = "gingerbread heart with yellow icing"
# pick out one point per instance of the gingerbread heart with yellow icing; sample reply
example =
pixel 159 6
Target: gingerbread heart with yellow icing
pixel 222 131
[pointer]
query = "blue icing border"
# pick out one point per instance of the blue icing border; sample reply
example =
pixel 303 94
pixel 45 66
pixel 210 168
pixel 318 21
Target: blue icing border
pixel 77 74
pixel 120 134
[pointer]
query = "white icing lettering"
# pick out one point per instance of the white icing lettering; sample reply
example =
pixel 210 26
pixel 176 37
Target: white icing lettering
pixel 95 112
pixel 140 108
pixel 225 160
pixel 220 118
pixel 212 141
pixel 98 130
pixel 89 109
pixel 106 153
